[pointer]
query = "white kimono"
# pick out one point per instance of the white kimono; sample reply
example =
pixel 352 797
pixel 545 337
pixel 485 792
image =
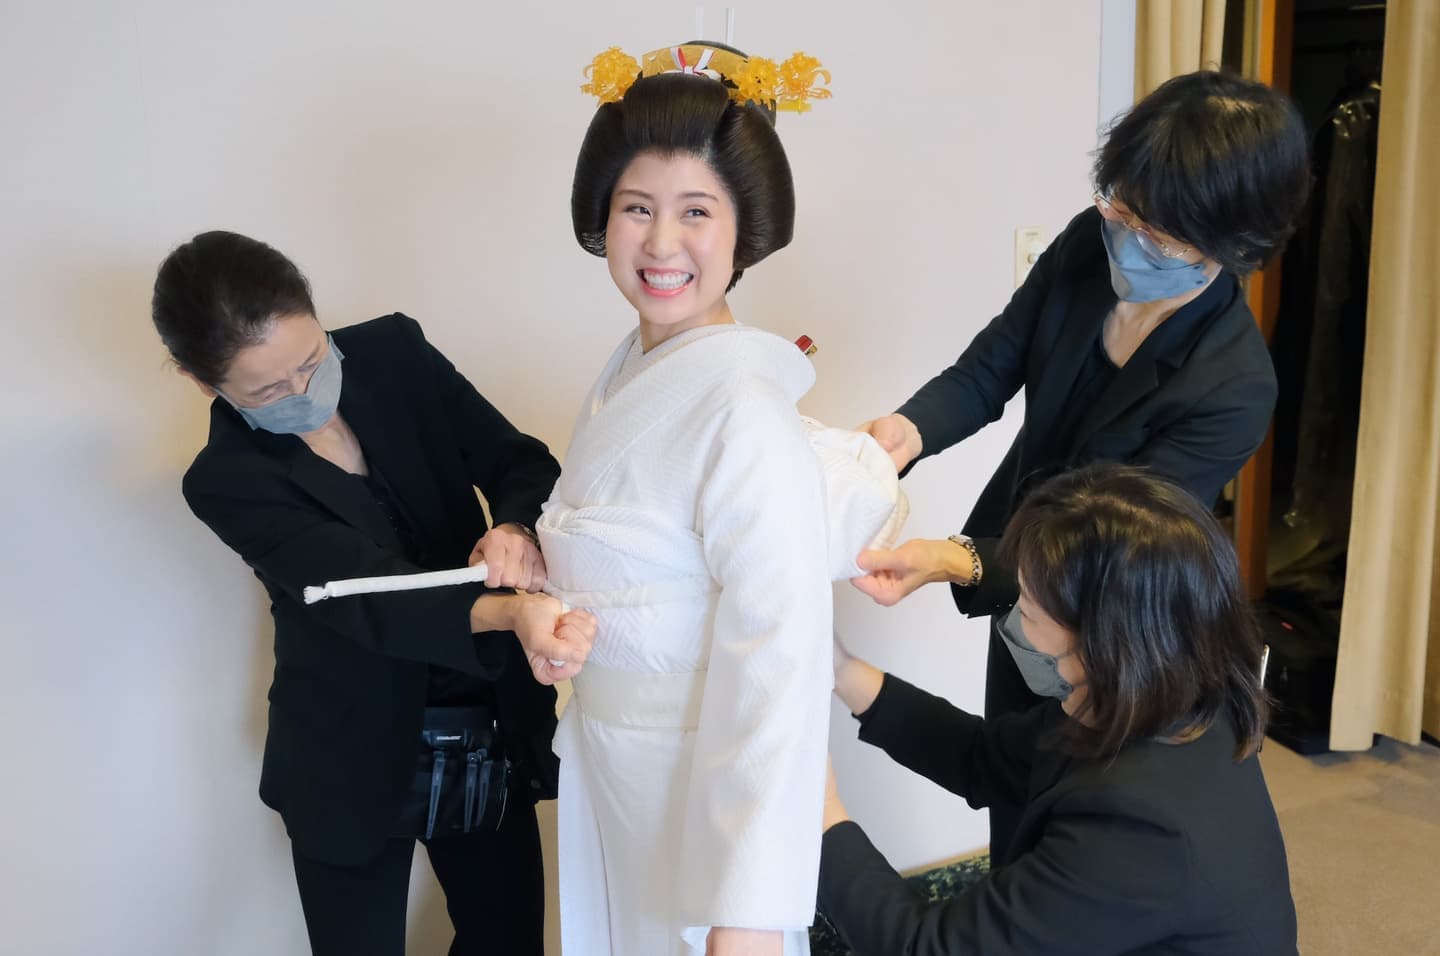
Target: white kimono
pixel 692 517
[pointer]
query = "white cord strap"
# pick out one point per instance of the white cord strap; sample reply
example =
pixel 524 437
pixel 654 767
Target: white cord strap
pixel 396 582
pixel 474 574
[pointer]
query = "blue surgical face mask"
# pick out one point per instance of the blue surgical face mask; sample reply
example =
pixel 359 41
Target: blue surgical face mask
pixel 1138 276
pixel 1041 671
pixel 294 414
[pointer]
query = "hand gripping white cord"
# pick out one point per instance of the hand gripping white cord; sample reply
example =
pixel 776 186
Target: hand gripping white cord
pixel 406 582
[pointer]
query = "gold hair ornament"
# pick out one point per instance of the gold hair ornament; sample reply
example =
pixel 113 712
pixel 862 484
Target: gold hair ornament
pixel 788 86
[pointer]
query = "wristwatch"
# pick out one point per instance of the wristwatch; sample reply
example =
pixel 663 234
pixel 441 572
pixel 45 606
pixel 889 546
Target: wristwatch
pixel 976 570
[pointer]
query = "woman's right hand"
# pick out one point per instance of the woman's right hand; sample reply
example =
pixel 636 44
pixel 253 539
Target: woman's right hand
pixel 890 576
pixel 512 557
pixel 898 436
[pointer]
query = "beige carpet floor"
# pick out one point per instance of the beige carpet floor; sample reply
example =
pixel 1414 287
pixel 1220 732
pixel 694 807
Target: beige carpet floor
pixel 1363 835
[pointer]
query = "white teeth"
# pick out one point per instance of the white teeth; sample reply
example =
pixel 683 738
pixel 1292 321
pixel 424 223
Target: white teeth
pixel 666 281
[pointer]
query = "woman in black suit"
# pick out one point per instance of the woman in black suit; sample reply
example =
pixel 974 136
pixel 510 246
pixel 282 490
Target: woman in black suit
pixel 1131 338
pixel 1146 826
pixel 352 454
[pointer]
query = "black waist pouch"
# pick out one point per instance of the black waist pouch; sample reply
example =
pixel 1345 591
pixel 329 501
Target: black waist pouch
pixel 462 777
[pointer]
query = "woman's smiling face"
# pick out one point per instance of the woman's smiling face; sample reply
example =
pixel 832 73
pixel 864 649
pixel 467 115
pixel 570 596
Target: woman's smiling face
pixel 670 243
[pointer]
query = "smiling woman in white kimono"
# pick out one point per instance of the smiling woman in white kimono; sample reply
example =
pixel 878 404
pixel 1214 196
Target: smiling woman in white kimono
pixel 695 518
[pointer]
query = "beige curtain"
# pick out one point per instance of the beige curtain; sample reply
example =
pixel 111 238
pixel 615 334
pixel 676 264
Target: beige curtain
pixel 1388 680
pixel 1174 37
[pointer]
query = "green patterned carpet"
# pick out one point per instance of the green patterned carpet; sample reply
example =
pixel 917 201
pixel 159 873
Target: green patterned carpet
pixel 938 884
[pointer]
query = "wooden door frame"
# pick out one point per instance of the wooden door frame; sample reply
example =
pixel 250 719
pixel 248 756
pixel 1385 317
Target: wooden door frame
pixel 1273 23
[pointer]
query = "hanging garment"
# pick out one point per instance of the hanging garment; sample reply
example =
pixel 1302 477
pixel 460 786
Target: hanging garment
pixel 1329 408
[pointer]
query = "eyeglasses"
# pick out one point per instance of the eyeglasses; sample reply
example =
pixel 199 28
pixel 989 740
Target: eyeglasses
pixel 1147 239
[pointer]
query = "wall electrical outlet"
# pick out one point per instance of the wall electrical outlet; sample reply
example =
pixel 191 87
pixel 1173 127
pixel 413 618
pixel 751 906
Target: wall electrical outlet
pixel 1030 241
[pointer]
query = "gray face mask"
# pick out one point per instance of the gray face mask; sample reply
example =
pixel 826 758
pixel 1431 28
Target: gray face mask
pixel 294 414
pixel 1041 671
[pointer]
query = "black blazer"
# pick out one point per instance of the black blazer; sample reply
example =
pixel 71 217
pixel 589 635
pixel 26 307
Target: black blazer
pixel 1166 850
pixel 351 674
pixel 1193 402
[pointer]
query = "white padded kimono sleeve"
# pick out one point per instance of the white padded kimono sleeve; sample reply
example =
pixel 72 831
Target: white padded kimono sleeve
pixel 751 838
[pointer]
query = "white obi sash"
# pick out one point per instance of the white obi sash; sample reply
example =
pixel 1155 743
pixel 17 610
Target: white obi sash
pixel 643 575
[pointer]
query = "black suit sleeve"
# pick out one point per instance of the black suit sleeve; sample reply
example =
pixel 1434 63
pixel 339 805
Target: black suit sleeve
pixel 982 761
pixel 1100 881
pixel 1201 452
pixel 999 588
pixel 973 392
pixel 1207 448
pixel 291 544
pixel 514 471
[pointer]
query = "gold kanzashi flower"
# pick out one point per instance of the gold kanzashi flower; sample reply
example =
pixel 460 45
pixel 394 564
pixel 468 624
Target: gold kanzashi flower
pixel 611 73
pixel 758 81
pixel 799 77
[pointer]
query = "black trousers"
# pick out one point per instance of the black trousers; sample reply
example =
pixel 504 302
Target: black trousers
pixel 1005 693
pixel 494 892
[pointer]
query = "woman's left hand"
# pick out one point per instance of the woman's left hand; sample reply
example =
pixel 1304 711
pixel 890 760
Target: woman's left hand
pixel 556 642
pixel 511 557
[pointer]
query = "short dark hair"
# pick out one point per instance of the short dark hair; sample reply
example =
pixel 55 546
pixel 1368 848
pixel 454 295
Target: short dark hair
pixel 1146 579
pixel 219 293
pixel 672 113
pixel 1215 160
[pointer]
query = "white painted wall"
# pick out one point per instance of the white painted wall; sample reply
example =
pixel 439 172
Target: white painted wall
pixel 1117 59
pixel 418 157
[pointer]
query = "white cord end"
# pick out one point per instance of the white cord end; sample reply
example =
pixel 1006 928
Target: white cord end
pixel 564 609
pixel 314 594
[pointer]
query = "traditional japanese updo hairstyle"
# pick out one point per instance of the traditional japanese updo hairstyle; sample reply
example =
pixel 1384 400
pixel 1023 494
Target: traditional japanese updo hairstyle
pixel 678 113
